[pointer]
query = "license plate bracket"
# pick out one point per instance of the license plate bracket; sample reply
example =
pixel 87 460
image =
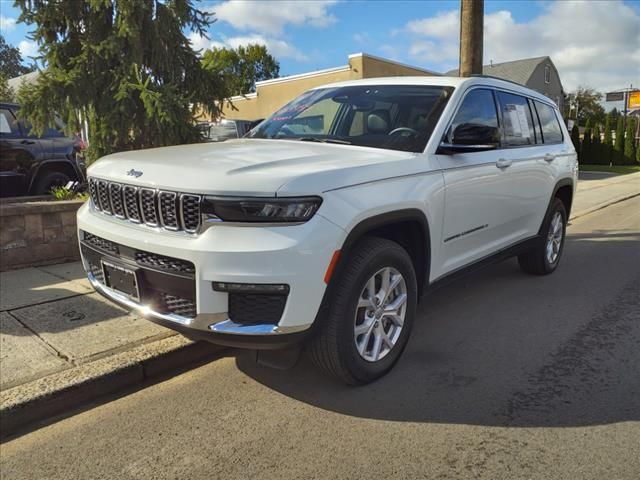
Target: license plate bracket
pixel 121 279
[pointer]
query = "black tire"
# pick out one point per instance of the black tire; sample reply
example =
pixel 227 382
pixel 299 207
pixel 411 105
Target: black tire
pixel 333 348
pixel 536 262
pixel 49 180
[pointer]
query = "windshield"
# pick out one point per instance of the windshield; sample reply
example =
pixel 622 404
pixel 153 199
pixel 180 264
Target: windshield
pixel 397 117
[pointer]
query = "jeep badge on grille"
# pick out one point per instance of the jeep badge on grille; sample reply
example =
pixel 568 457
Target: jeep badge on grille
pixel 134 173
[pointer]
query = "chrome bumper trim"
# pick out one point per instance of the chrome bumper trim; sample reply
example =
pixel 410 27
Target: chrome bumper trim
pixel 138 307
pixel 221 322
pixel 229 326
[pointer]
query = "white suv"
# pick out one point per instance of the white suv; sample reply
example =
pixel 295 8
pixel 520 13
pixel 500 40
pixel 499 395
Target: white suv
pixel 325 225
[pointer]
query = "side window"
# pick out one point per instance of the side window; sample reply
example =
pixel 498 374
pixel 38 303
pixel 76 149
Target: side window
pixel 551 131
pixel 8 124
pixel 536 122
pixel 516 120
pixel 478 109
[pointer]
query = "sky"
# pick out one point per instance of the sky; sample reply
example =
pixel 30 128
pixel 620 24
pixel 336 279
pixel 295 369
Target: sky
pixel 592 43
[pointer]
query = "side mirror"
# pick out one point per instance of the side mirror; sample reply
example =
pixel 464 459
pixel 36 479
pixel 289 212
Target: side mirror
pixel 470 137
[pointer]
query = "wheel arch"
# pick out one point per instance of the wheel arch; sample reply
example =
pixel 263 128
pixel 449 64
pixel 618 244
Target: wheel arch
pixel 408 227
pixel 48 166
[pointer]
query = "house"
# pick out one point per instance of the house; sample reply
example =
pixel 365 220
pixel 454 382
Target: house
pixel 539 74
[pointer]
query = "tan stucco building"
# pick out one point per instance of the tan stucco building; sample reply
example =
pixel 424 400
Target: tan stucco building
pixel 270 95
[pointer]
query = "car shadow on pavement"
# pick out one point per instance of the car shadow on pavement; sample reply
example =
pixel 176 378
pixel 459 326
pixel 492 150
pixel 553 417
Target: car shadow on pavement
pixel 501 348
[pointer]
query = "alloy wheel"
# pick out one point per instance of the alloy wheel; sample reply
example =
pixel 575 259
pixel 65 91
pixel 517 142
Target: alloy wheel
pixel 380 314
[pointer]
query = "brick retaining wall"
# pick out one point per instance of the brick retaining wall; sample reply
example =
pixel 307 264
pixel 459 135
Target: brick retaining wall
pixel 37 231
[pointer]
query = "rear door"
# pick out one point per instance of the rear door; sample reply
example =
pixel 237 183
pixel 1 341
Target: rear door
pixel 477 191
pixel 527 159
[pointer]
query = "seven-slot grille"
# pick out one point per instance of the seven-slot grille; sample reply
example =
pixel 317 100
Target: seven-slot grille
pixel 170 210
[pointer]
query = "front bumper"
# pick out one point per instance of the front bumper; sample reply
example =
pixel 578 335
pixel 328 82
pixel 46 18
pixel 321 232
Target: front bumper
pixel 294 255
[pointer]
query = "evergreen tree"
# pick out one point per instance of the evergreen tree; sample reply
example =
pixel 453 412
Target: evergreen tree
pixel 575 136
pixel 618 146
pixel 629 142
pixel 126 67
pixel 607 143
pixel 596 147
pixel 586 152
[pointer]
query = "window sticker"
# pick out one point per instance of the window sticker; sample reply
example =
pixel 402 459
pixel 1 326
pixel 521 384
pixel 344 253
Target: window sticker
pixel 516 123
pixel 4 124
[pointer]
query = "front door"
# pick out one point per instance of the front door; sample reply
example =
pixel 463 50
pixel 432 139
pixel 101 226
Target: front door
pixel 477 191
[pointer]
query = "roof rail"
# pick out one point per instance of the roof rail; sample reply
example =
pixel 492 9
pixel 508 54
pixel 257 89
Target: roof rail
pixel 482 75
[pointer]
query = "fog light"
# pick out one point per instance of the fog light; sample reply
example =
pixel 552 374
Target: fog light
pixel 265 288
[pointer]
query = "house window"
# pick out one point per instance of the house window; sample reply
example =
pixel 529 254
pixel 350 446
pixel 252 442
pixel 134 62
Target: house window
pixel 547 74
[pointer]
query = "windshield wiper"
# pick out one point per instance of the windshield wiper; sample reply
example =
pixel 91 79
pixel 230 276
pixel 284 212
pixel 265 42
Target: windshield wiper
pixel 323 140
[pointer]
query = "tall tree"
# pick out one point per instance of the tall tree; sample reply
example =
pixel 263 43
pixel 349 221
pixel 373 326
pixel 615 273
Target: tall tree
pixel 586 144
pixel 575 136
pixel 11 61
pixel 588 105
pixel 617 156
pixel 596 147
pixel 242 66
pixel 126 67
pixel 629 142
pixel 607 143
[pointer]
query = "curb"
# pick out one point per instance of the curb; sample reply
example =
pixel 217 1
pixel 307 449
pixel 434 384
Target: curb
pixel 55 394
pixel 600 206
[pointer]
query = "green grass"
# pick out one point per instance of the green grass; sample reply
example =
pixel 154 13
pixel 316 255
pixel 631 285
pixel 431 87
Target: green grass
pixel 615 169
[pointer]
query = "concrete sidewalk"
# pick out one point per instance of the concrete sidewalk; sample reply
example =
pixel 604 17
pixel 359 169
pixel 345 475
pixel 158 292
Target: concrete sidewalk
pixel 597 190
pixel 61 344
pixel 61 340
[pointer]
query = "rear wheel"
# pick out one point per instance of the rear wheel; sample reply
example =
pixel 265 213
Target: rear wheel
pixel 372 311
pixel 545 256
pixel 50 180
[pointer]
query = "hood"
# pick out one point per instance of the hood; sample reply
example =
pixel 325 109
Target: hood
pixel 250 167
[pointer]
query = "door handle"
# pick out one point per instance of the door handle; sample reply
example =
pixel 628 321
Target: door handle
pixel 503 163
pixel 27 142
pixel 549 157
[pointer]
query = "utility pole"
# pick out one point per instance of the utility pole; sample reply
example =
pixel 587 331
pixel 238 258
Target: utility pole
pixel 471 36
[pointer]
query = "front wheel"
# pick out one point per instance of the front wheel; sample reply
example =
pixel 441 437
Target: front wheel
pixel 372 310
pixel 544 258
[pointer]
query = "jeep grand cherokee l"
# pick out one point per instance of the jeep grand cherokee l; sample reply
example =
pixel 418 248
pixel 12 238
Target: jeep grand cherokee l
pixel 326 224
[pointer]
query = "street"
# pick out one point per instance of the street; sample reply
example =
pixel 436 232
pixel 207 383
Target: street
pixel 506 376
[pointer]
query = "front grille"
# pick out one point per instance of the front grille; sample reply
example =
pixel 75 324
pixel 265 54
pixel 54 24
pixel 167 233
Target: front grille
pixel 170 210
pixel 250 309
pixel 115 193
pixel 165 263
pixel 132 208
pixel 97 272
pixel 177 305
pixel 100 243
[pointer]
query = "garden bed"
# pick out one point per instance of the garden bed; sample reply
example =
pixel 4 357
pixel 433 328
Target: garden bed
pixel 37 231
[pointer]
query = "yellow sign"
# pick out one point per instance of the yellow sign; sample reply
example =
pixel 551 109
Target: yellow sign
pixel 633 101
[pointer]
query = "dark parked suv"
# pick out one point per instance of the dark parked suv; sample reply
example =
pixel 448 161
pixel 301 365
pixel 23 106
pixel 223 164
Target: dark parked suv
pixel 31 165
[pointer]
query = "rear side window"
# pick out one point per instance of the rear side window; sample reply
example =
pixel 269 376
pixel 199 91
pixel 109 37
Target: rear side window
pixel 478 108
pixel 8 124
pixel 551 132
pixel 517 120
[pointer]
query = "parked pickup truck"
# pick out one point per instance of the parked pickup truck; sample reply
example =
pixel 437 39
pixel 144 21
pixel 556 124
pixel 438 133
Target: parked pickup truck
pixel 325 225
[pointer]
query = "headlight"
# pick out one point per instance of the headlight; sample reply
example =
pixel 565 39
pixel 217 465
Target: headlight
pixel 263 210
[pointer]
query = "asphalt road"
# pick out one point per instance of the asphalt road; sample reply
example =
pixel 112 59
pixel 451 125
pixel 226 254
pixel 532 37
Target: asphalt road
pixel 506 376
